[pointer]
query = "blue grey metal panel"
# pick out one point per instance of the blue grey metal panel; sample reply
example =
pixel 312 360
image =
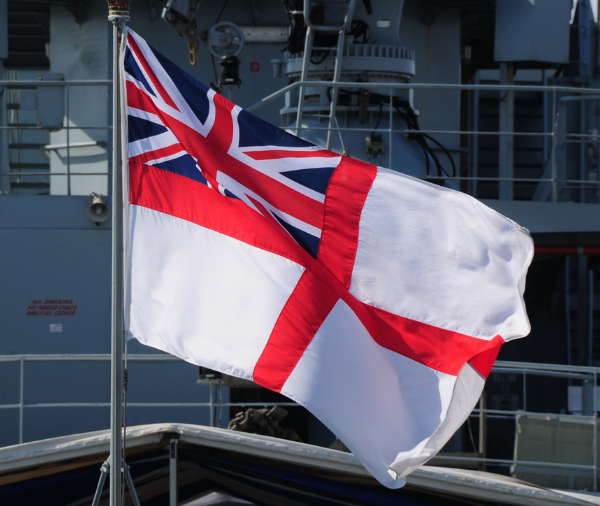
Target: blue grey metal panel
pixel 542 217
pixel 56 290
pixel 3 30
pixel 532 31
pixel 257 80
pixel 53 258
pixel 37 212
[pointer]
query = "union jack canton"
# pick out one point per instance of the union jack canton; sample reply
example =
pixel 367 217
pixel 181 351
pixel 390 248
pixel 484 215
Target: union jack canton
pixel 181 126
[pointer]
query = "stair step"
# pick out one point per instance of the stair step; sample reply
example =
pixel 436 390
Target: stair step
pixel 25 146
pixel 39 186
pixel 28 166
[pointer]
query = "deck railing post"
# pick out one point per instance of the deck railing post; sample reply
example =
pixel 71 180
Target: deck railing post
pixel 507 126
pixel 68 122
pixel 391 130
pixel 21 397
pixel 211 403
pixel 595 433
pixel 173 472
pixel 524 391
pixel 482 432
pixel 554 168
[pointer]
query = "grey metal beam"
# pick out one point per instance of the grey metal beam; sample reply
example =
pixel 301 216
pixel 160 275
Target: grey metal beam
pixel 506 142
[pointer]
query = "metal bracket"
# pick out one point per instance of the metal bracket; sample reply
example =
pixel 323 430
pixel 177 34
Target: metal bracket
pixel 104 470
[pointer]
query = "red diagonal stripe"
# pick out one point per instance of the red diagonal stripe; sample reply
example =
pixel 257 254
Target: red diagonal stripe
pixel 275 193
pixel 281 153
pixel 133 45
pixel 156 154
pixel 313 299
pixel 212 156
pixel 139 98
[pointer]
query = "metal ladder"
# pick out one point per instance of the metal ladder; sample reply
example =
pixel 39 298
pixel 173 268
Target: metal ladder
pixel 23 147
pixel 308 47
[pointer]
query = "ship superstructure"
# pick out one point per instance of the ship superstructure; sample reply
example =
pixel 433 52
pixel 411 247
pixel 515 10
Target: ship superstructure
pixel 498 99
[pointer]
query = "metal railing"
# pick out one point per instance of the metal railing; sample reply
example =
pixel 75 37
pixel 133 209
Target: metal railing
pixel 553 135
pixel 587 375
pixel 212 404
pixel 15 130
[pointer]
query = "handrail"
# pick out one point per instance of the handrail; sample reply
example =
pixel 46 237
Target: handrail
pixel 88 357
pixel 546 367
pixel 164 357
pixel 423 86
pixel 71 82
pixel 527 369
pixel 551 178
pixel 20 173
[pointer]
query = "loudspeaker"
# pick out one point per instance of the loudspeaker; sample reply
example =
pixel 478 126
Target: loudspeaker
pixel 98 210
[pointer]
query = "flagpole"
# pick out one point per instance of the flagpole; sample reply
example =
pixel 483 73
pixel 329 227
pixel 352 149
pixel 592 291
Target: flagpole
pixel 116 363
pixel 118 14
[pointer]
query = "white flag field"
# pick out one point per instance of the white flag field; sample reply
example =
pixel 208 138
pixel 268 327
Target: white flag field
pixel 376 300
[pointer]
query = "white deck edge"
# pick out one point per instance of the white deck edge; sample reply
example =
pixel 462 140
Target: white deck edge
pixel 459 482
